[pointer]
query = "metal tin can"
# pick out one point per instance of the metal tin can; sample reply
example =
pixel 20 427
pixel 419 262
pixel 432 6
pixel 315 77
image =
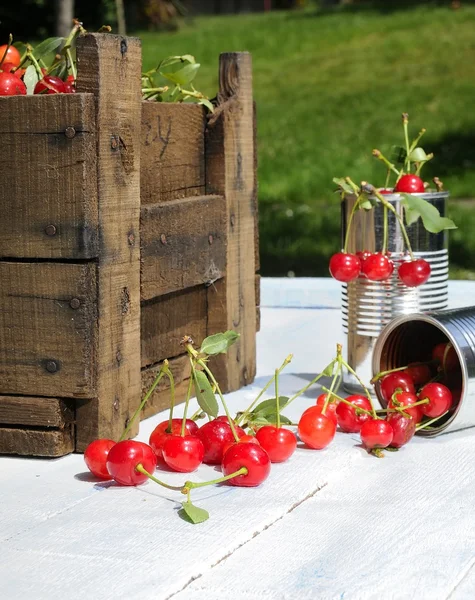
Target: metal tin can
pixel 411 338
pixel 367 306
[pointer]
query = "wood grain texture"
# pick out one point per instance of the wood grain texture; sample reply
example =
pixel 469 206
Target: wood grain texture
pixel 230 165
pixel 173 164
pixel 109 67
pixel 48 196
pixel 47 347
pixel 183 244
pixel 36 442
pixel 161 397
pixel 40 412
pixel 166 319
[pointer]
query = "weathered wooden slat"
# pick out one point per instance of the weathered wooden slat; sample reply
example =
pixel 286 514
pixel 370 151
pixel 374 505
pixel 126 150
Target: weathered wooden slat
pixel 48 197
pixel 161 397
pixel 172 163
pixel 230 172
pixel 37 442
pixel 33 411
pixel 258 302
pixel 183 244
pixel 48 322
pixel 166 319
pixel 109 66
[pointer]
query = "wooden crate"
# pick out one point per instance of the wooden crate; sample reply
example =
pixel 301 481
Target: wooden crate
pixel 127 224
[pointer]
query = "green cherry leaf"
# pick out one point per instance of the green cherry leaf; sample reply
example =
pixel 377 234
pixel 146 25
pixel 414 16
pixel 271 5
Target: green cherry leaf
pixel 218 343
pixel 366 204
pixel 204 394
pixel 269 406
pixel 418 155
pixel 193 514
pixel 30 79
pixel 328 370
pixel 207 103
pixel 416 207
pixel 48 46
pixel 183 76
pixel 398 155
pixel 342 184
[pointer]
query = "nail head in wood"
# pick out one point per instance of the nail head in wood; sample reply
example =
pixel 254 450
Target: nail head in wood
pixel 70 132
pixel 50 230
pixel 51 366
pixel 75 303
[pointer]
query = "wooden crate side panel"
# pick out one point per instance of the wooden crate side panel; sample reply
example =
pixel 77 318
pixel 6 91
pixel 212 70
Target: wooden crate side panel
pixel 161 397
pixel 37 412
pixel 48 329
pixel 48 196
pixel 166 319
pixel 109 66
pixel 173 164
pixel 230 172
pixel 183 244
pixel 49 443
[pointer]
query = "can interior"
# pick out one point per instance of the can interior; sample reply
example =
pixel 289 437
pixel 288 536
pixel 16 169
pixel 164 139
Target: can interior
pixel 409 342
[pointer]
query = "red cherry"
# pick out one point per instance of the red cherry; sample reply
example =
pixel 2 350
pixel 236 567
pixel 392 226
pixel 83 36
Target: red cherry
pixel 183 454
pixel 70 79
pixel 160 434
pixel 376 433
pixel 440 399
pixel 392 381
pixel 278 442
pixel 215 435
pixel 386 191
pixel 50 84
pixel 250 439
pixel 7 67
pixel 420 374
pixel 348 418
pixel 377 267
pixel 95 457
pixel 406 399
pixel 123 459
pixel 11 85
pixel 414 272
pixel 253 457
pixel 410 184
pixel 12 55
pixel 69 88
pixel 363 255
pixel 404 429
pixel 447 357
pixel 316 430
pixel 331 407
pixel 344 267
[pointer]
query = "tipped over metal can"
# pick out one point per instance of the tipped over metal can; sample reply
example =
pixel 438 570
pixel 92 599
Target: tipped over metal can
pixel 412 338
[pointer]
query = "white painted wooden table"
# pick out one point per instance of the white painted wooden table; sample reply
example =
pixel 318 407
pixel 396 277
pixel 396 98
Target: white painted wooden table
pixel 337 523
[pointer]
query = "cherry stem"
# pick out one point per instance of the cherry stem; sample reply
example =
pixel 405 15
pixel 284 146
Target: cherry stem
pixel 144 401
pixel 407 162
pixel 199 414
pixel 175 488
pixel 245 414
pixel 428 423
pixel 389 165
pixel 382 374
pixel 314 380
pixel 187 400
pixel 399 219
pixel 71 63
pixel 33 61
pixel 345 401
pixel 171 379
pixel 336 377
pixel 350 221
pixel 385 229
pixel 417 140
pixel 156 90
pixel 277 397
pixel 358 379
pixel 10 42
pixel 424 401
pixel 189 485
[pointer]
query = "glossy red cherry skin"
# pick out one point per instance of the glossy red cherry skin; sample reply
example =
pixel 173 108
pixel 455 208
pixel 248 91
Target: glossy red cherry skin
pixel 9 55
pixel 253 457
pixel 415 272
pixel 376 433
pixel 446 356
pixel 440 399
pixel 377 267
pixel 404 429
pixel 363 255
pixel 348 419
pixel 159 434
pixel 215 435
pixel 278 442
pixel 316 430
pixel 344 266
pixel 410 184
pixel 247 438
pixel 11 85
pixel 331 407
pixel 404 400
pixel 392 381
pixel 183 454
pixel 420 374
pixel 123 459
pixel 50 84
pixel 95 457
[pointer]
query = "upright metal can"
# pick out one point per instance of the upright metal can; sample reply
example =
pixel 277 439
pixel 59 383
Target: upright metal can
pixel 411 338
pixel 367 306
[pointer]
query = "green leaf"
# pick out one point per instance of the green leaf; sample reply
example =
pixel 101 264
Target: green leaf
pixel 206 103
pixel 193 514
pixel 269 406
pixel 416 207
pixel 218 343
pixel 270 419
pixel 341 183
pixel 183 76
pixel 418 155
pixel 328 370
pixel 204 394
pixel 398 154
pixel 47 47
pixel 30 79
pixel 366 204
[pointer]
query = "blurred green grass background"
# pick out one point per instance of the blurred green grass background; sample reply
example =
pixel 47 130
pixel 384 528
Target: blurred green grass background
pixel 330 86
